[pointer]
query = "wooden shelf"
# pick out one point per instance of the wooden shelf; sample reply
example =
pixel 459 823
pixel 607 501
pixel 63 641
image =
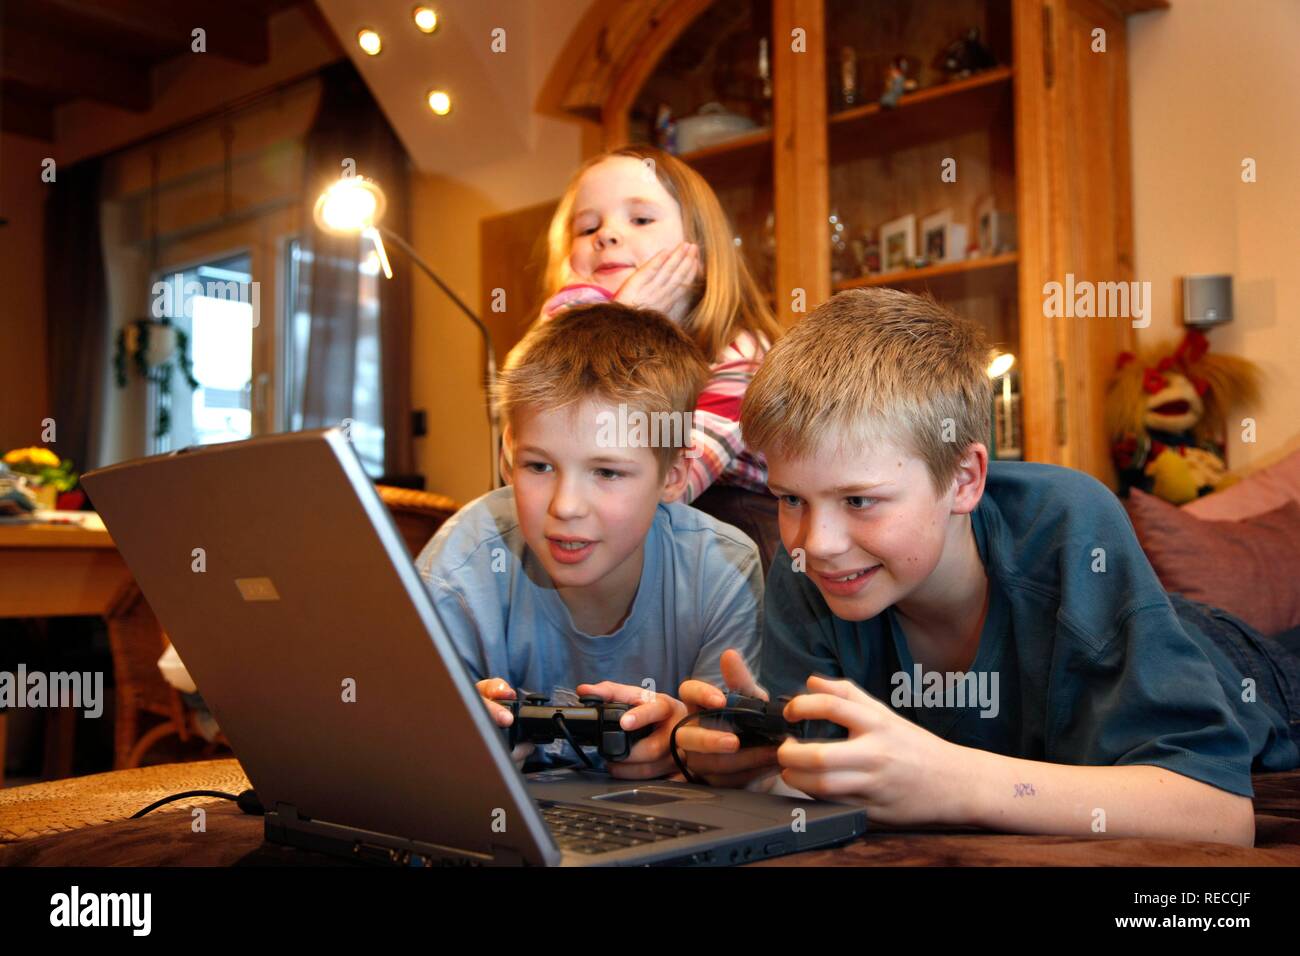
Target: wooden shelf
pixel 936 112
pixel 1016 132
pixel 749 147
pixel 949 280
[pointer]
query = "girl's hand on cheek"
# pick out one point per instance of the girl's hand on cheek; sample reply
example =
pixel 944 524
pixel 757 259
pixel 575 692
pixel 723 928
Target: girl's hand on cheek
pixel 664 281
pixel 902 772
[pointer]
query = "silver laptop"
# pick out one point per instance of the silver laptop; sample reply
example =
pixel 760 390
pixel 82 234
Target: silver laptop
pixel 277 572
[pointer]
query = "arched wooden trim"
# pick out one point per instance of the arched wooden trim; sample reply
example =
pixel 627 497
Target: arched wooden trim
pixel 609 57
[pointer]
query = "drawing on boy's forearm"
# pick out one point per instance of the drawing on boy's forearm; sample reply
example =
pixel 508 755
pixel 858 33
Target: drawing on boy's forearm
pixel 1024 790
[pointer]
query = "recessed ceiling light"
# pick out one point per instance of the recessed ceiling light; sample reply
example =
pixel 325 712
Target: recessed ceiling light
pixel 425 19
pixel 369 41
pixel 439 102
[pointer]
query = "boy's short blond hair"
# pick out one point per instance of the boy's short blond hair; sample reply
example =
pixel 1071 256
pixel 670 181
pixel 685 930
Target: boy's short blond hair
pixel 612 353
pixel 869 364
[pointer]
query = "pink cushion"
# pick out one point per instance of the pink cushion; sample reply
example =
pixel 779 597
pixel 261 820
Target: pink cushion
pixel 1265 490
pixel 1250 568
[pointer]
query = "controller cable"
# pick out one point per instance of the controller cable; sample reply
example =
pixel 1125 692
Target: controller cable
pixel 672 737
pixel 247 801
pixel 577 748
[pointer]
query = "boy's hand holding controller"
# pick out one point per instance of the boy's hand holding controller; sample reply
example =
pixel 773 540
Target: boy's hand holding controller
pixel 663 282
pixel 649 757
pixel 902 772
pixel 714 755
pixel 492 689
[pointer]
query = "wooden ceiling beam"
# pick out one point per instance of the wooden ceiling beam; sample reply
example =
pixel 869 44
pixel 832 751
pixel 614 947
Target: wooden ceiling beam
pixel 24 115
pixel 41 61
pixel 231 31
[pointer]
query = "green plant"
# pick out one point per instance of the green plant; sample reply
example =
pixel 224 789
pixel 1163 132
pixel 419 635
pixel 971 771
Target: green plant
pixel 132 347
pixel 43 466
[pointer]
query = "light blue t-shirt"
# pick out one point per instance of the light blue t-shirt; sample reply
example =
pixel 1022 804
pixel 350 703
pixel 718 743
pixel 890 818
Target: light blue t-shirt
pixel 701 592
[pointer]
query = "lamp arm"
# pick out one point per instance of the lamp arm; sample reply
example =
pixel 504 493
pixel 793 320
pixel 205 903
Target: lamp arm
pixel 414 256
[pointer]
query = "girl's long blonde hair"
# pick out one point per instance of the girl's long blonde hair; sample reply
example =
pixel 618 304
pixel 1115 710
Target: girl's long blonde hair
pixel 726 301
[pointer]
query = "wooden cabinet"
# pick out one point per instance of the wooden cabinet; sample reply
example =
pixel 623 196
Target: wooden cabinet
pixel 1042 137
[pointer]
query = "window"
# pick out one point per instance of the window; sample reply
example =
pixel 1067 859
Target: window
pixel 218 322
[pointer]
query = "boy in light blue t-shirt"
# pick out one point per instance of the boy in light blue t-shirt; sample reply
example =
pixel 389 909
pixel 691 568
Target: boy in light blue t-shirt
pixel 585 574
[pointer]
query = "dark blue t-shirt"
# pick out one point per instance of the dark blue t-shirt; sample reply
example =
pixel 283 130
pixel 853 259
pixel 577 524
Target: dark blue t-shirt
pixel 1082 659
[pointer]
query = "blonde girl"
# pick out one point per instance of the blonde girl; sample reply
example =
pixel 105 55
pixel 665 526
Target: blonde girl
pixel 638 226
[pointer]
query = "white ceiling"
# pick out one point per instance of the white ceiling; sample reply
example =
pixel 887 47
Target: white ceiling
pixel 492 93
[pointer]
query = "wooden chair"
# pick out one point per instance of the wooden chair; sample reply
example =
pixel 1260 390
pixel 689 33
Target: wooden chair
pixel 137 641
pixel 417 514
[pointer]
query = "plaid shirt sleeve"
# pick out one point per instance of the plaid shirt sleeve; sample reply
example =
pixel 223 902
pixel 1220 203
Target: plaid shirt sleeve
pixel 720 452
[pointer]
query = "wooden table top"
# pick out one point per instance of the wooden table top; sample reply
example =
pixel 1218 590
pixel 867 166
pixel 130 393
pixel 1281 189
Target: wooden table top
pixel 53 570
pixel 53 536
pixel 166 838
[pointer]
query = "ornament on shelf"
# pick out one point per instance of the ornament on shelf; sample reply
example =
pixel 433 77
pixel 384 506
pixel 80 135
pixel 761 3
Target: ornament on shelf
pixel 899 79
pixel 765 83
pixel 965 57
pixel 847 87
pixel 665 131
pixel 712 124
pixel 870 254
pixel 842 264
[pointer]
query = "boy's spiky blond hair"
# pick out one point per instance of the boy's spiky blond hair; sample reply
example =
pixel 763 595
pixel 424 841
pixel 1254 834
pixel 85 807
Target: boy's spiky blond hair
pixel 609 352
pixel 869 364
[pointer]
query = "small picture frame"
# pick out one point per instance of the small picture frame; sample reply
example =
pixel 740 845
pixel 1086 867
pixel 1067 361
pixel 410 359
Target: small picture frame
pixel 934 236
pixel 942 240
pixel 898 244
pixel 995 231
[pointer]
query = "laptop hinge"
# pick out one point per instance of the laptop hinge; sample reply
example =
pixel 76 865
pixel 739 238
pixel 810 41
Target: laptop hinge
pixel 285 825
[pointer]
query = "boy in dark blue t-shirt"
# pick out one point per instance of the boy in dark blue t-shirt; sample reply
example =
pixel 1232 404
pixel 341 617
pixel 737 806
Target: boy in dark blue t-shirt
pixel 994 647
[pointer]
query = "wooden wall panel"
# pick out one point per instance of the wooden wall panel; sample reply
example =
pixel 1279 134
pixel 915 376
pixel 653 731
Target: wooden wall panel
pixel 1092 221
pixel 512 257
pixel 802 188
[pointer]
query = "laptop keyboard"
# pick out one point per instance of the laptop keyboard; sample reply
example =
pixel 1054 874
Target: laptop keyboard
pixel 588 830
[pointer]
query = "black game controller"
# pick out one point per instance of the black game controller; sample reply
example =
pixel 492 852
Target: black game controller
pixel 758 723
pixel 592 724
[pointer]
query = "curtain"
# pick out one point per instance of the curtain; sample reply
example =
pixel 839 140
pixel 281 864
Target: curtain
pixel 76 303
pixel 350 125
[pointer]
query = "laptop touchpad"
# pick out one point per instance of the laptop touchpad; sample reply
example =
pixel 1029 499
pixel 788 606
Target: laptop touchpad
pixel 652 796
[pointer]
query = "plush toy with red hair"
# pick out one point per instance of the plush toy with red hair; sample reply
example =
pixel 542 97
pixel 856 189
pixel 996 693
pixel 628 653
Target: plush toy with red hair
pixel 1166 415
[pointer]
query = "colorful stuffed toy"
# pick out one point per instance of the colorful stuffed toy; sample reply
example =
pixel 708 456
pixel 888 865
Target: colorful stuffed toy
pixel 1166 418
